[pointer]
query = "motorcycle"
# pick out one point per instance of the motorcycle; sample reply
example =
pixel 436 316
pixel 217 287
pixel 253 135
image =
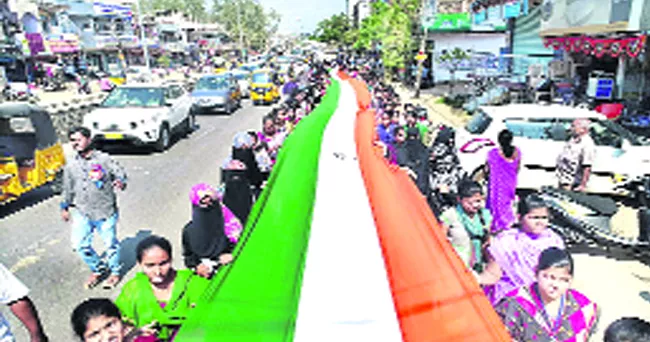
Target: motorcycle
pixel 582 218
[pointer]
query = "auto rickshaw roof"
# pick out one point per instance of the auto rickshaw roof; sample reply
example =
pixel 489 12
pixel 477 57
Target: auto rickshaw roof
pixel 40 118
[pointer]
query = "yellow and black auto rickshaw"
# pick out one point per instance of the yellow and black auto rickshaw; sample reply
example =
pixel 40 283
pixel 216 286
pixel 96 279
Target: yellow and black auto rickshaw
pixel 30 153
pixel 264 89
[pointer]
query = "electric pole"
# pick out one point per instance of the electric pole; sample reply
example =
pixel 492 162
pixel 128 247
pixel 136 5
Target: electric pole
pixel 424 8
pixel 143 40
pixel 241 33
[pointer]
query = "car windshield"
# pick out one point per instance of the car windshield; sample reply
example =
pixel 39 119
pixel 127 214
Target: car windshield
pixel 134 97
pixel 261 78
pixel 16 125
pixel 240 77
pixel 211 83
pixel 479 123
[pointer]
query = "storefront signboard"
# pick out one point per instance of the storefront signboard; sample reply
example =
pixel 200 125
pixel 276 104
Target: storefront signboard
pixel 63 43
pixel 451 22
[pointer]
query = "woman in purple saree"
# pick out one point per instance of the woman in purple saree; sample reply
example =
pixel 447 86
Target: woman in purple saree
pixel 548 310
pixel 502 168
pixel 513 254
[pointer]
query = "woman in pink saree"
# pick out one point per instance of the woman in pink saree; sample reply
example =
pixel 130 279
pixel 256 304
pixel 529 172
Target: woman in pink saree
pixel 548 310
pixel 502 169
pixel 513 254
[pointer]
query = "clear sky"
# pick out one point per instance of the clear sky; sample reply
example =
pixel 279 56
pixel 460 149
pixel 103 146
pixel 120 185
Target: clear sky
pixel 303 15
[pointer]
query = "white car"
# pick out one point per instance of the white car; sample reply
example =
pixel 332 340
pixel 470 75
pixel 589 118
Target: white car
pixel 142 114
pixel 540 132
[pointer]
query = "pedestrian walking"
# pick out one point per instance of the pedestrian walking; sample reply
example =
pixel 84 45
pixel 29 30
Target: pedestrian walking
pixel 90 181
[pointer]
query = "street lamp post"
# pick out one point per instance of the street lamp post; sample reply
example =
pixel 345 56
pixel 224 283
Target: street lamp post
pixel 423 43
pixel 241 33
pixel 145 47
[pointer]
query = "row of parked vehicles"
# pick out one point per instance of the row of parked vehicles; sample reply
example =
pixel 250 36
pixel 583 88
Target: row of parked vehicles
pixel 139 110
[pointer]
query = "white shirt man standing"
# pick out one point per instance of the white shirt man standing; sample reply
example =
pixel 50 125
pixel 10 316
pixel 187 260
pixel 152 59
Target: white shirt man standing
pixel 13 293
pixel 577 157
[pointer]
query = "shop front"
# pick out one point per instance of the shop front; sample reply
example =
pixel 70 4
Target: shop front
pixel 600 39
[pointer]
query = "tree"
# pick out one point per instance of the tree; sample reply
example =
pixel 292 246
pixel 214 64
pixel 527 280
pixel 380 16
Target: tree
pixel 257 23
pixel 336 30
pixel 451 60
pixel 194 9
pixel 388 29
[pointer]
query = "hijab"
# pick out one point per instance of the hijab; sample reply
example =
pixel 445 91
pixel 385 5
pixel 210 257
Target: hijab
pixel 205 232
pixel 242 151
pixel 238 196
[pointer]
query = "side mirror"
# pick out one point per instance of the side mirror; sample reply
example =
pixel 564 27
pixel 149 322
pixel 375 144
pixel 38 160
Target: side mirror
pixel 169 103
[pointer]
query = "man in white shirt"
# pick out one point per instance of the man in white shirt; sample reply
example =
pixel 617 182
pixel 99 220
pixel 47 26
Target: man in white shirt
pixel 13 293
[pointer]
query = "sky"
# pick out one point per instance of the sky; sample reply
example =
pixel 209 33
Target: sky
pixel 302 15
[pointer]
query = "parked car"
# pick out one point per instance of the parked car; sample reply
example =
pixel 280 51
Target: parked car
pixel 244 81
pixel 541 131
pixel 142 114
pixel 216 93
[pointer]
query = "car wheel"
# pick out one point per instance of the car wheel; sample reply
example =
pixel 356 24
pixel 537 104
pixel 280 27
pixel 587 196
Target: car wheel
pixel 190 123
pixel 163 139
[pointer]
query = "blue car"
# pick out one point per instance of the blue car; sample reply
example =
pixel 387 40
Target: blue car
pixel 216 93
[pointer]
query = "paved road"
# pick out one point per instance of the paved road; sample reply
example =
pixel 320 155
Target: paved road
pixel 35 242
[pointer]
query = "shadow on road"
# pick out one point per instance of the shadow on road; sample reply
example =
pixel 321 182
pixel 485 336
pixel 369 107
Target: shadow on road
pixel 127 250
pixel 27 200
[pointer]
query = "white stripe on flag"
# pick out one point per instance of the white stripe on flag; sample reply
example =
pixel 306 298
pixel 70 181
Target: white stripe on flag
pixel 345 293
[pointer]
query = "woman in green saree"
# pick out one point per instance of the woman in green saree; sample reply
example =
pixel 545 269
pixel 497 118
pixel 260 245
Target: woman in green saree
pixel 159 298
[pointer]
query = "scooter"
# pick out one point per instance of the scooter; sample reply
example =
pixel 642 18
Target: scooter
pixel 582 218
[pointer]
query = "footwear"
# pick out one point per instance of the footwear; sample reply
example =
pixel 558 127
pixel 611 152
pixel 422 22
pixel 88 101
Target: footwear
pixel 111 282
pixel 93 281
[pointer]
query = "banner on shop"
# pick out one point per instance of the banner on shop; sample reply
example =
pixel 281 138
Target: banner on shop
pixel 599 47
pixel 63 43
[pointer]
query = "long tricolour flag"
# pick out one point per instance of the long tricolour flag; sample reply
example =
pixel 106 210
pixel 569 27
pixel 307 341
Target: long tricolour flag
pixel 340 247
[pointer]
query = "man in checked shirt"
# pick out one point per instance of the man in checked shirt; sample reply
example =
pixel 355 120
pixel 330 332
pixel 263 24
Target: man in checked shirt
pixel 90 181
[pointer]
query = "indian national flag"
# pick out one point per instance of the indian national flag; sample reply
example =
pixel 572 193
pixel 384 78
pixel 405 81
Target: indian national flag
pixel 340 247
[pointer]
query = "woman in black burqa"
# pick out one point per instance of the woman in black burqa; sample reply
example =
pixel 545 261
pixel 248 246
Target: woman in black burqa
pixel 205 243
pixel 240 172
pixel 414 155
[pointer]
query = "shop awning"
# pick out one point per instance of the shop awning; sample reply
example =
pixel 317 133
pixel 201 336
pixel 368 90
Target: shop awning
pixel 620 26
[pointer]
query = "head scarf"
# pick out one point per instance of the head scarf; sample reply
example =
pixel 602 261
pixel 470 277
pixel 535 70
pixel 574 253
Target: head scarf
pixel 242 151
pixel 238 196
pixel 205 233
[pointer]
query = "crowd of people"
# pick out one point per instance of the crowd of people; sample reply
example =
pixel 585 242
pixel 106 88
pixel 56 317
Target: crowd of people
pixel 521 263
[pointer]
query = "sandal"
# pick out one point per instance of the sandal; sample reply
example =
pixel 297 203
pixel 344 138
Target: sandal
pixel 111 282
pixel 93 281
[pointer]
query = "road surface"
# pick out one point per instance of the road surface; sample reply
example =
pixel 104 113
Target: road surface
pixel 35 242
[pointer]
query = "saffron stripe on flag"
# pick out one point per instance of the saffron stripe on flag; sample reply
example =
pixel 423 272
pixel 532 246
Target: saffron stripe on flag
pixel 436 297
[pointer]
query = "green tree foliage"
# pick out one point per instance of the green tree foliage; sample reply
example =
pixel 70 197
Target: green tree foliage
pixel 257 23
pixel 336 30
pixel 388 29
pixel 194 9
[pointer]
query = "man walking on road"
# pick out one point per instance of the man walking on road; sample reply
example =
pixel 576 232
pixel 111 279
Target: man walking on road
pixel 14 294
pixel 90 181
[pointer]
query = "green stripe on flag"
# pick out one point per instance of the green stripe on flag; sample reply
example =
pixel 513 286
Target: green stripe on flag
pixel 256 298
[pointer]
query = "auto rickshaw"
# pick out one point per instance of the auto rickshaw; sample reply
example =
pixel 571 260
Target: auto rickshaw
pixel 30 153
pixel 264 89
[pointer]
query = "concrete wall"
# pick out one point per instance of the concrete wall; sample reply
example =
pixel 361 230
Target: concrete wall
pixel 478 42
